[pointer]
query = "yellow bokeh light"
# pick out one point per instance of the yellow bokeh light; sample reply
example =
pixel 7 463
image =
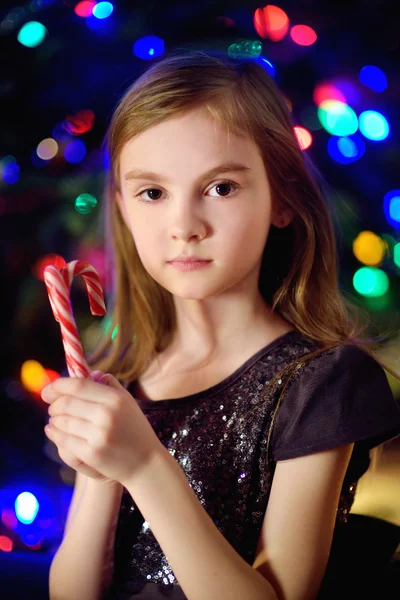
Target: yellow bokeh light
pixel 369 248
pixel 34 376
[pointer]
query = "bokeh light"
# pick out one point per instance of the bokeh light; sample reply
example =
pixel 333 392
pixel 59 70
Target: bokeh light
pixel 26 507
pixel 102 10
pixel 304 137
pixel 47 149
pixel 80 123
pixel 75 151
pixel 84 9
pixel 346 149
pixel 371 282
pixel 9 169
pixel 373 125
pixel 33 376
pixel 303 35
pixel 271 22
pixel 245 48
pixel 369 249
pixel 148 47
pixel 44 261
pixel 327 91
pixel 374 78
pixel 391 208
pixel 32 34
pixel 337 118
pixel 85 203
pixel 265 64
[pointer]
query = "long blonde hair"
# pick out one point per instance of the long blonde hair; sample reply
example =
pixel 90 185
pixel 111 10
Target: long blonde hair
pixel 301 283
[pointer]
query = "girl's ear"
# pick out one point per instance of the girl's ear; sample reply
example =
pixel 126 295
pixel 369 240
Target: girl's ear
pixel 282 216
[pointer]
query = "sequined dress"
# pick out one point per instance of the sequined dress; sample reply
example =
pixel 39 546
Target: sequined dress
pixel 228 438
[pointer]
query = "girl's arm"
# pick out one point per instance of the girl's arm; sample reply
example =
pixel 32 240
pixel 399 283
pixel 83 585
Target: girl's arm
pixel 83 565
pixel 295 540
pixel 204 562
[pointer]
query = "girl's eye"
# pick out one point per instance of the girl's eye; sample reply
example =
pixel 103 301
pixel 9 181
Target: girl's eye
pixel 222 189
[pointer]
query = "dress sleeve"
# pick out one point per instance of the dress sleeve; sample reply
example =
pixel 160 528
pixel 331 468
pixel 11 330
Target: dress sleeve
pixel 339 397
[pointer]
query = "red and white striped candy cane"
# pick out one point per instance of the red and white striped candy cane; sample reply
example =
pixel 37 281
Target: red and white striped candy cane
pixel 58 285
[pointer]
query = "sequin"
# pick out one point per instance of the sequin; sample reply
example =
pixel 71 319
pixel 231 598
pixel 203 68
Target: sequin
pixel 227 465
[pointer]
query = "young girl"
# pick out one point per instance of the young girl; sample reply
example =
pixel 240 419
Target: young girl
pixel 241 403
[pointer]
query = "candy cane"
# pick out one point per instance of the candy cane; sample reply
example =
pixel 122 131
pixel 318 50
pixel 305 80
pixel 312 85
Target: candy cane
pixel 58 285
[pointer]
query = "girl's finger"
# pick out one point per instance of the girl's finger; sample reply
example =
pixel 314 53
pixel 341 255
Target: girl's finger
pixel 80 387
pixel 71 426
pixel 82 409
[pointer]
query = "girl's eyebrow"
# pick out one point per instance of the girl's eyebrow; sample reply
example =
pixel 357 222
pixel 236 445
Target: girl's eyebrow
pixel 224 168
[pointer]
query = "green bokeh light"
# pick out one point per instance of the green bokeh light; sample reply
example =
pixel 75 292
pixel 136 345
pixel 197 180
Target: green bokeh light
pixel 32 34
pixel 337 118
pixel 247 48
pixel 396 255
pixel 371 282
pixel 85 203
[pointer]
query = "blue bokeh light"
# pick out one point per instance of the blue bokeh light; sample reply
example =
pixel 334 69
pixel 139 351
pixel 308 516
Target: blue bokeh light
pixel 266 64
pixel 346 149
pixel 391 208
pixel 148 47
pixel 373 125
pixel 75 151
pixel 10 173
pixel 374 78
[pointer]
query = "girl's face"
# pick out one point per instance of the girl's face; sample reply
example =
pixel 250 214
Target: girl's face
pixel 196 206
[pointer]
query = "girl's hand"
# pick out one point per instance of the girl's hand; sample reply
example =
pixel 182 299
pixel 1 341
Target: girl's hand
pixel 98 428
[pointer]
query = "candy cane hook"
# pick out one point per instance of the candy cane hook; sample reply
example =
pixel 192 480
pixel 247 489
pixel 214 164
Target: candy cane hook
pixel 58 285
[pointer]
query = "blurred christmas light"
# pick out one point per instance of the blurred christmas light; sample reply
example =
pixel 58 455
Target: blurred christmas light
pixel 85 203
pixel 148 47
pixel 75 151
pixel 245 48
pixel 102 10
pixel 373 125
pixel 32 34
pixel 346 149
pixel 391 208
pixel 374 78
pixel 47 149
pixel 271 22
pixel 337 118
pixel 371 282
pixel 368 248
pixel 327 91
pixel 80 123
pixel 303 35
pixel 44 261
pixel 266 64
pixel 84 9
pixel 6 544
pixel 396 255
pixel 304 137
pixel 60 132
pixel 33 376
pixel 26 507
pixel 9 170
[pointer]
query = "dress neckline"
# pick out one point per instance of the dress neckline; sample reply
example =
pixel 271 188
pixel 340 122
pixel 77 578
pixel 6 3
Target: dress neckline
pixel 178 402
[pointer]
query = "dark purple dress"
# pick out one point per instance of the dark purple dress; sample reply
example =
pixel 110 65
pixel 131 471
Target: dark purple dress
pixel 339 397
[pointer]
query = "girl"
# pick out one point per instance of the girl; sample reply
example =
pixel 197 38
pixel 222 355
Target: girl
pixel 241 375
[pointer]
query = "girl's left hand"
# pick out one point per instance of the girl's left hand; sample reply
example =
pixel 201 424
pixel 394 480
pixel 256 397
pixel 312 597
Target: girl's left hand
pixel 101 425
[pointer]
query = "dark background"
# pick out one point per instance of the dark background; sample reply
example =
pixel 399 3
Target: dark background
pixel 78 68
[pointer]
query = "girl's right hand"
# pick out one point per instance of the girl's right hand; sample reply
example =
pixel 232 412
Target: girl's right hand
pixel 83 468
